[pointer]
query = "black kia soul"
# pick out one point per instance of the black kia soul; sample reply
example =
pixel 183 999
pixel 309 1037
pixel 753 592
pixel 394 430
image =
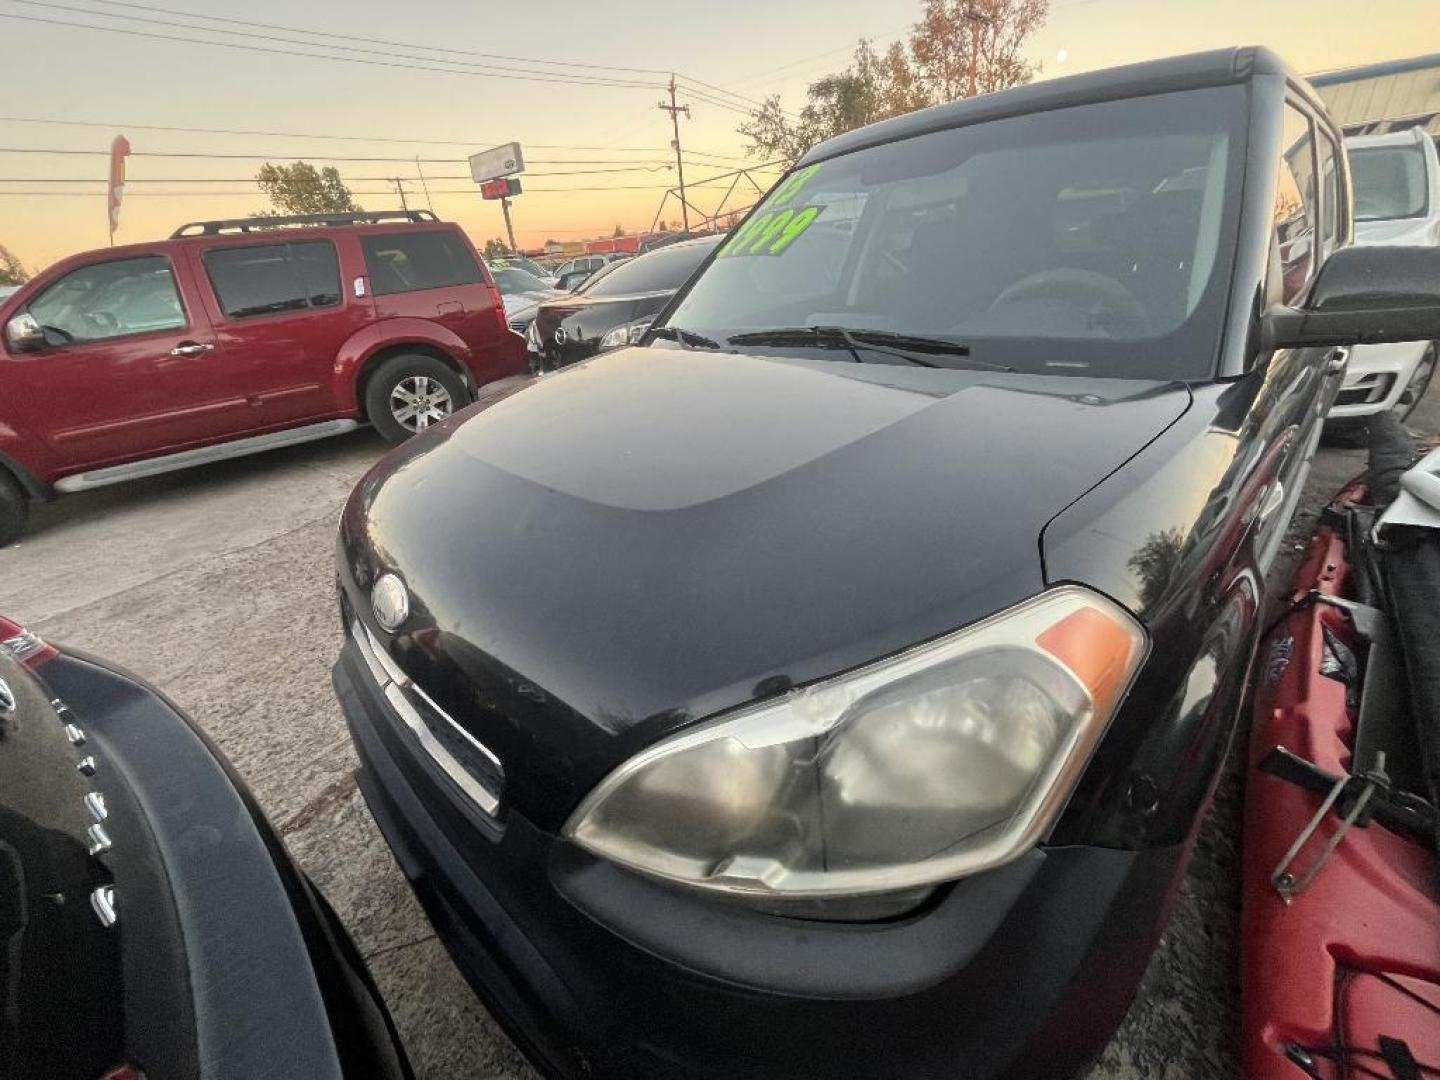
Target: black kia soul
pixel 831 686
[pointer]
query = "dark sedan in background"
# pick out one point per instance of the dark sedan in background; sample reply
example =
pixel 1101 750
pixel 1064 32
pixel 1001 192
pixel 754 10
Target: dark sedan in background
pixel 833 686
pixel 152 924
pixel 615 307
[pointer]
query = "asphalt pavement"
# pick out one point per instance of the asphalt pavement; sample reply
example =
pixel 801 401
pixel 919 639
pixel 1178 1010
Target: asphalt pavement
pixel 217 585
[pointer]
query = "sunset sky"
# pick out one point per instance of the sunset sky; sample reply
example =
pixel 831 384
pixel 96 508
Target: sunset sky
pixel 388 108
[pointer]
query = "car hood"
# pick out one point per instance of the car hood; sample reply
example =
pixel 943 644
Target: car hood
pixel 523 304
pixel 656 534
pixel 1399 231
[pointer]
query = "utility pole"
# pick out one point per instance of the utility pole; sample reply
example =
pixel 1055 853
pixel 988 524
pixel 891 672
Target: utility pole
pixel 400 190
pixel 675 111
pixel 509 229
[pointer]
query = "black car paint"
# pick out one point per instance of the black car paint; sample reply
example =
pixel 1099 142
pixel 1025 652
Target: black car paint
pixel 224 961
pixel 1174 519
pixel 657 484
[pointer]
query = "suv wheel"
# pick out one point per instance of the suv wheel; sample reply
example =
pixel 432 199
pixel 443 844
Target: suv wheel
pixel 14 507
pixel 409 393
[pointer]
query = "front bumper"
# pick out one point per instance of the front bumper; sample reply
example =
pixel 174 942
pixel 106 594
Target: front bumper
pixel 1023 971
pixel 1375 377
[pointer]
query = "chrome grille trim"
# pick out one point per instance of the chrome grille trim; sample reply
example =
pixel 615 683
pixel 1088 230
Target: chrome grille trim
pixel 397 686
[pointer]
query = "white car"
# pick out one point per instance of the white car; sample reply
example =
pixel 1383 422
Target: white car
pixel 1396 178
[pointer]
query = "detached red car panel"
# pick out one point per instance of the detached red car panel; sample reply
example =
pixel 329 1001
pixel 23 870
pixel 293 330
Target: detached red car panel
pixel 226 340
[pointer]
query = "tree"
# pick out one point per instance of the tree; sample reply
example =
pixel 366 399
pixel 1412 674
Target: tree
pixel 964 47
pixel 958 47
pixel 495 249
pixel 303 189
pixel 619 231
pixel 12 272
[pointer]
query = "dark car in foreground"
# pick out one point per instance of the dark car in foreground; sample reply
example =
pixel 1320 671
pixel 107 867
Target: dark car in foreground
pixel 615 307
pixel 151 923
pixel 833 686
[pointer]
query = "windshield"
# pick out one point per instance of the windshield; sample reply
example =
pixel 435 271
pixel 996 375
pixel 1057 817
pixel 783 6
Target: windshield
pixel 658 271
pixel 1091 240
pixel 1389 182
pixel 511 280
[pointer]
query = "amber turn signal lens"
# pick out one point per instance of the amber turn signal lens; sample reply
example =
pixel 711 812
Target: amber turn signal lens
pixel 1098 649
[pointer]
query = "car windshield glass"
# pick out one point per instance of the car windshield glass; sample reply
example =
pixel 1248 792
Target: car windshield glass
pixel 660 270
pixel 512 279
pixel 1090 240
pixel 1389 182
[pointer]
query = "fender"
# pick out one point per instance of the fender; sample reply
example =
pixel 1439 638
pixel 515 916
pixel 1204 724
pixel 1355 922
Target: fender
pixel 361 346
pixel 28 459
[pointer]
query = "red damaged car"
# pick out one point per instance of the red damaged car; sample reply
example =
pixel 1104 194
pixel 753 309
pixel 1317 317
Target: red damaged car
pixel 232 337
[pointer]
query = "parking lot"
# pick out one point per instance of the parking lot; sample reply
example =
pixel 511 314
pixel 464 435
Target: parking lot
pixel 216 584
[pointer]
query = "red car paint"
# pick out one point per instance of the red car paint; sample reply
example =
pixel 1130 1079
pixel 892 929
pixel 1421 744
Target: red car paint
pixel 87 405
pixel 1356 956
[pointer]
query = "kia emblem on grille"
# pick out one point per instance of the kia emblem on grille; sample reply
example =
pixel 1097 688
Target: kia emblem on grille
pixel 390 601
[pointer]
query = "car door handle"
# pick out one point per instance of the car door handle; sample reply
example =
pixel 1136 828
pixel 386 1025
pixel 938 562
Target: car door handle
pixel 191 348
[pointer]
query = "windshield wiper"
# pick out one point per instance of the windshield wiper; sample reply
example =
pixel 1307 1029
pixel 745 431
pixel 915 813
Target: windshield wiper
pixel 686 338
pixel 886 342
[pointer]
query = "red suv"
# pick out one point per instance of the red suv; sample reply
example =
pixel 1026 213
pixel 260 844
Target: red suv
pixel 233 337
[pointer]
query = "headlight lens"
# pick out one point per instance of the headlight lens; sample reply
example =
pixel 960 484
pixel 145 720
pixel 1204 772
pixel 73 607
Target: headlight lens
pixel 628 334
pixel 950 758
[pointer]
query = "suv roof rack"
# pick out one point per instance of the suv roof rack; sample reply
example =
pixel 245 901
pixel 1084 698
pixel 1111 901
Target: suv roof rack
pixel 248 224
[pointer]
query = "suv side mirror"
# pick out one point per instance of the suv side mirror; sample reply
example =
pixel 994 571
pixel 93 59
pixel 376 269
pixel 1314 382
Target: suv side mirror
pixel 24 334
pixel 1363 295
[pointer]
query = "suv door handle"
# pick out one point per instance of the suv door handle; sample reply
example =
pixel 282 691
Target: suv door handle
pixel 190 348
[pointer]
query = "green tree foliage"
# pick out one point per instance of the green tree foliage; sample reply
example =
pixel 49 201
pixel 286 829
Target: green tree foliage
pixel 303 189
pixel 12 272
pixel 956 44
pixel 495 248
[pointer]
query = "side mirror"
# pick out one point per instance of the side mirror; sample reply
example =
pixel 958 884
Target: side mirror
pixel 24 334
pixel 1363 295
pixel 572 281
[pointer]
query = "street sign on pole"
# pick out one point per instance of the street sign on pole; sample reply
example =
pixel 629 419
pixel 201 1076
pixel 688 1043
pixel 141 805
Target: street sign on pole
pixel 504 188
pixel 498 161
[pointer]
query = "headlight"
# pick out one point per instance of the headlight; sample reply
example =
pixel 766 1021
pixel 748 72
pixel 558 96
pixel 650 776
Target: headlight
pixel 947 759
pixel 628 334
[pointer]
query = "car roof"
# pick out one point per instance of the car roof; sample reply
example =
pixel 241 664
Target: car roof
pixel 1217 67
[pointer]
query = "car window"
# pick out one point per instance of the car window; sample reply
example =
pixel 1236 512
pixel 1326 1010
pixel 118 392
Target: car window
pixel 1108 227
pixel 109 300
pixel 1295 206
pixel 405 262
pixel 660 270
pixel 1389 183
pixel 267 279
pixel 1330 192
pixel 512 279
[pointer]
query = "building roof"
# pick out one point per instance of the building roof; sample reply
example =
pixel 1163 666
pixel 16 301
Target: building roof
pixel 1379 97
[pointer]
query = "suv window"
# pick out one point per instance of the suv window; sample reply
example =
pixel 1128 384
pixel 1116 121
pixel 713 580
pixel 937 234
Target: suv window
pixel 270 278
pixel 1295 205
pixel 109 300
pixel 656 272
pixel 405 262
pixel 1389 182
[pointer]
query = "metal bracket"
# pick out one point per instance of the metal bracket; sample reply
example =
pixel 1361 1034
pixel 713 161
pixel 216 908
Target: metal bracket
pixel 1289 884
pixel 1398 811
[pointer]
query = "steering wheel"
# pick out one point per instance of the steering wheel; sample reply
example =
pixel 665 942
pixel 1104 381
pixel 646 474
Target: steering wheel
pixel 1105 300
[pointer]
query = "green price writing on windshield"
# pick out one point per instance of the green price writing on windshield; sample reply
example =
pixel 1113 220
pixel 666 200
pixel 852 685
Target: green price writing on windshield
pixel 771 233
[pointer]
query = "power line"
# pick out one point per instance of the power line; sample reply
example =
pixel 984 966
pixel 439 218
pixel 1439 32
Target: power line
pixel 225 156
pixel 373 41
pixel 577 81
pixel 463 66
pixel 250 179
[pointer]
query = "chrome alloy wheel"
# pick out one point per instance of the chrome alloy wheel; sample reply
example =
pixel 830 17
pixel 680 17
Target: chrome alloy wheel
pixel 418 401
